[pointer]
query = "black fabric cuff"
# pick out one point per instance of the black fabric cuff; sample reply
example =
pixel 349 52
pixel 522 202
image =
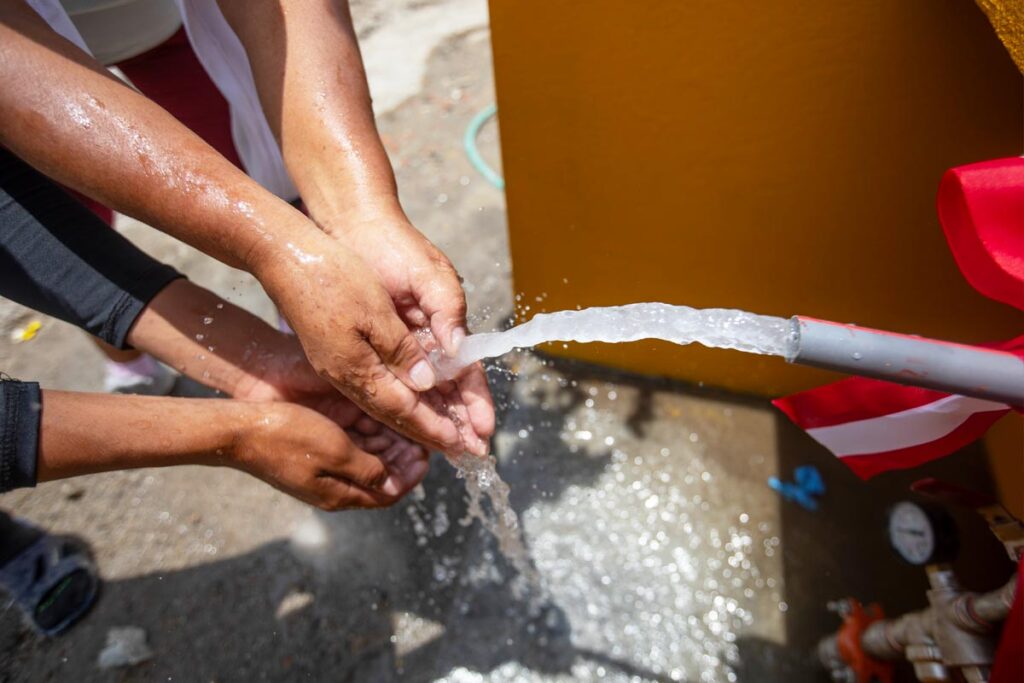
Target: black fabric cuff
pixel 20 411
pixel 130 305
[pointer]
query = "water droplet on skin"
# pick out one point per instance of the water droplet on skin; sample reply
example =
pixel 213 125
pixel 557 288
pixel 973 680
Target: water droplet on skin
pixel 207 320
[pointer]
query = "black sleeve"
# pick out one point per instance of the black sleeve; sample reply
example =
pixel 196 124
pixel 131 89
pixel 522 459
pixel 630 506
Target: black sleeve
pixel 60 259
pixel 20 407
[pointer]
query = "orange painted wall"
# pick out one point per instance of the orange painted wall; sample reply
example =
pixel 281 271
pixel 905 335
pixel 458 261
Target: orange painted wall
pixel 780 157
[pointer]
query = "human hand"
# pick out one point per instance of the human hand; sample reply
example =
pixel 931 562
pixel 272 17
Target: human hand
pixel 276 369
pixel 427 293
pixel 289 446
pixel 308 456
pixel 231 350
pixel 354 338
pixel 286 375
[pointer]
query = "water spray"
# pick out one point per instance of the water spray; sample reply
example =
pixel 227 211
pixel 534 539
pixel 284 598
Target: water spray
pixel 982 373
pixel 978 372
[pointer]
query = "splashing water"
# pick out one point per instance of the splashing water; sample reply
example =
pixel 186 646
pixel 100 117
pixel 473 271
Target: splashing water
pixel 482 481
pixel 713 327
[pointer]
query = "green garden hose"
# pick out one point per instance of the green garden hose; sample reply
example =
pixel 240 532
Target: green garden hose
pixel 469 142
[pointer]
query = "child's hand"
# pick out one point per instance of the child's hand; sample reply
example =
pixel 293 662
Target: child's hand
pixel 311 458
pixel 233 351
pixel 229 349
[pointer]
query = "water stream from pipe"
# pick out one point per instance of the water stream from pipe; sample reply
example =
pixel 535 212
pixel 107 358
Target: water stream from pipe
pixel 722 328
pixel 711 327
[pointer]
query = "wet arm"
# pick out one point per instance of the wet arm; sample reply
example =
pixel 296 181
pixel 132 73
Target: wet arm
pixel 67 263
pixel 64 114
pixel 292 448
pixel 86 433
pixel 221 345
pixel 312 85
pixel 309 73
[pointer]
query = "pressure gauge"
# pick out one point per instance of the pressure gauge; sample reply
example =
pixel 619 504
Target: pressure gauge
pixel 920 534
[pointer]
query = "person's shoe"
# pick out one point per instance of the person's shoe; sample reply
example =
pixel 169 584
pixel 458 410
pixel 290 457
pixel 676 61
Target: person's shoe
pixel 144 376
pixel 52 581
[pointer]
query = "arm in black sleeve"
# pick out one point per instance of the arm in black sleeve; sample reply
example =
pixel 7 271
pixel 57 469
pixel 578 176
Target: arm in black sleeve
pixel 60 259
pixel 19 433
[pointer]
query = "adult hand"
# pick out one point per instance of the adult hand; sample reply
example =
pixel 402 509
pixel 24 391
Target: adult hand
pixel 427 294
pixel 353 336
pixel 334 154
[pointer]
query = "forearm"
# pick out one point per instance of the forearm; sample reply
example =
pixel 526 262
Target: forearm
pixel 65 115
pixel 74 267
pixel 312 84
pixel 87 433
pixel 211 341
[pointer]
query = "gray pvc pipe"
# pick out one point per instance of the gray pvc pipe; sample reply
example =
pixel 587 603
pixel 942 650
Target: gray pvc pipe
pixel 930 363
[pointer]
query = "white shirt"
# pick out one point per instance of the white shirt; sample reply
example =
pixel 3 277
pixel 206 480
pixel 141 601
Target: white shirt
pixel 116 30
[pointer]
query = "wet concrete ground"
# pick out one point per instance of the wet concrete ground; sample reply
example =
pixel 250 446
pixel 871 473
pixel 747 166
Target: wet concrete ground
pixel 644 504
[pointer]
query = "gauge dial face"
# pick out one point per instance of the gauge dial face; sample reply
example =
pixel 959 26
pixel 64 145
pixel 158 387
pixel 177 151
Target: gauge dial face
pixel 911 533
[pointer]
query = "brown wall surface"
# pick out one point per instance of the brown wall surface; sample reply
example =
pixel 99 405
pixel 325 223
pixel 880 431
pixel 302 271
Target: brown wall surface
pixel 1005 444
pixel 780 157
